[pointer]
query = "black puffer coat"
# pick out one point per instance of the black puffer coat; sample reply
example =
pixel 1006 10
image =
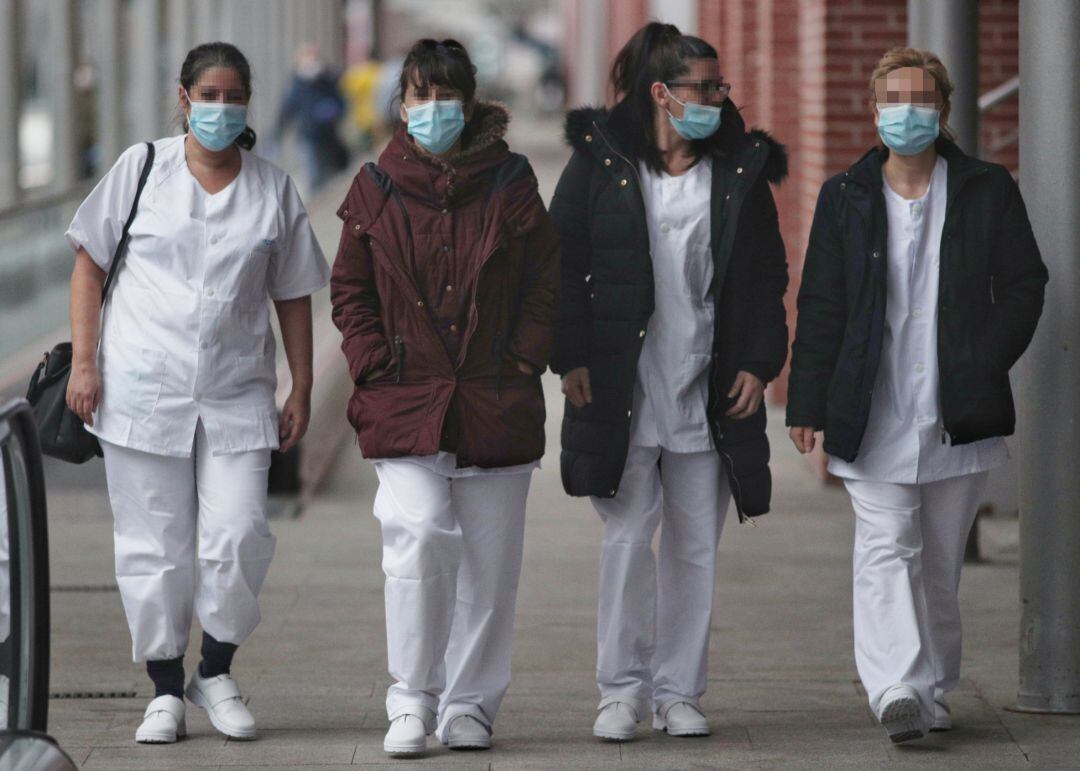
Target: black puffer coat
pixel 990 298
pixel 607 298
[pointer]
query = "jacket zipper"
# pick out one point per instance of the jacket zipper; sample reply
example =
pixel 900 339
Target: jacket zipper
pixel 399 353
pixel 616 152
pixel 500 340
pixel 473 313
pixel 738 489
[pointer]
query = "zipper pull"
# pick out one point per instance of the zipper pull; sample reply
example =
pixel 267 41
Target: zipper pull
pixel 399 351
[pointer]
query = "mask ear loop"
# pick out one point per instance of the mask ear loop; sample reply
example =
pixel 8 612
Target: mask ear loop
pixel 674 99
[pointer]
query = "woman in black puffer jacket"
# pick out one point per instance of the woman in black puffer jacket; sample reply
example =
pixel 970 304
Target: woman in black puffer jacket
pixel 670 324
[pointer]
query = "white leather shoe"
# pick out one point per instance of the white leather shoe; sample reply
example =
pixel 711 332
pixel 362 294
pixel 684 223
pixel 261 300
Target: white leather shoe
pixel 942 716
pixel 220 697
pixel 465 732
pixel 408 733
pixel 616 721
pixel 680 718
pixel 163 722
pixel 901 714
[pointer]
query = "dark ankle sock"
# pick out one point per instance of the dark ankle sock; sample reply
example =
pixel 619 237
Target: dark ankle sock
pixel 168 676
pixel 216 657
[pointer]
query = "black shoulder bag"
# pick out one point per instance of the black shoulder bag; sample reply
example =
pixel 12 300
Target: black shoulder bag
pixel 62 432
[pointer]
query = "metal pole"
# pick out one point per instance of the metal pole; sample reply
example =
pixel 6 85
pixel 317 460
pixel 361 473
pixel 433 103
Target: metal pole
pixel 1049 439
pixel 62 92
pixel 950 28
pixel 110 116
pixel 10 103
pixel 148 105
pixel 592 51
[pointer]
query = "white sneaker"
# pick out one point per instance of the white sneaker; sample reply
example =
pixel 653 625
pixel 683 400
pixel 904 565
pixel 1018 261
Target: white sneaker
pixel 163 722
pixel 901 714
pixel 680 718
pixel 616 722
pixel 942 716
pixel 220 697
pixel 465 732
pixel 408 733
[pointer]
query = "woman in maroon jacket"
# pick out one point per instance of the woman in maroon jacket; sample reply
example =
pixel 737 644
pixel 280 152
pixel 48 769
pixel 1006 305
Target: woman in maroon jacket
pixel 443 289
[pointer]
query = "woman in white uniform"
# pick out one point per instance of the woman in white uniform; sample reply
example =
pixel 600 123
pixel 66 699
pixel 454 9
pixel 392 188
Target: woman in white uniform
pixel 922 286
pixel 179 384
pixel 670 323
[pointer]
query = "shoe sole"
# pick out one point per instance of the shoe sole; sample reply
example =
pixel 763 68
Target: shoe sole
pixel 402 751
pixel 901 718
pixel 610 736
pixel 156 738
pixel 196 698
pixel 468 745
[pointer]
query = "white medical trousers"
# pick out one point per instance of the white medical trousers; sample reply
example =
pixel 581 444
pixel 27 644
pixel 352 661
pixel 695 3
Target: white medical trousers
pixel 909 548
pixel 452 552
pixel 653 624
pixel 190 536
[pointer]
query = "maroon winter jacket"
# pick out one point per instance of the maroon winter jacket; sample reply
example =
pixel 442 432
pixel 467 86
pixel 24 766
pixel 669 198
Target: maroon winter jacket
pixel 445 279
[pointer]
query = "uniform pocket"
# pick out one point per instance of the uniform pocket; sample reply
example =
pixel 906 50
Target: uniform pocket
pixel 133 377
pixel 692 389
pixel 698 272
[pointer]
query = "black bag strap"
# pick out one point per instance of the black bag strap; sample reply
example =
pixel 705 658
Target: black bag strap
pixel 118 255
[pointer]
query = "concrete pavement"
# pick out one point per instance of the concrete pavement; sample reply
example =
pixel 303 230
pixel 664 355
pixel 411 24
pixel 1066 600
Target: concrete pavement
pixel 782 692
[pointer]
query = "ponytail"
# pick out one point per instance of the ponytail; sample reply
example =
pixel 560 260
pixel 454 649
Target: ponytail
pixel 656 53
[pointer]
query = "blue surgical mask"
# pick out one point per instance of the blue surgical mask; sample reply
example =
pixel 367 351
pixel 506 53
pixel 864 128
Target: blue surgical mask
pixel 215 124
pixel 699 121
pixel 437 124
pixel 907 129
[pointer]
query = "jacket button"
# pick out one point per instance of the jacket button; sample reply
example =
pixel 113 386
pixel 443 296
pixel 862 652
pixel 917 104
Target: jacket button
pixel 623 182
pixel 588 137
pixel 757 144
pixel 611 491
pixel 727 197
pixel 738 170
pixel 345 212
pixel 356 227
pixel 641 333
pixel 843 185
pixel 453 327
pixel 419 303
pixel 607 161
pixel 444 211
pixel 876 254
pixel 629 412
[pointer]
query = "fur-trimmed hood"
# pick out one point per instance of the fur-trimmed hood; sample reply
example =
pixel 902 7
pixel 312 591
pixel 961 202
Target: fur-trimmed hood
pixel 729 141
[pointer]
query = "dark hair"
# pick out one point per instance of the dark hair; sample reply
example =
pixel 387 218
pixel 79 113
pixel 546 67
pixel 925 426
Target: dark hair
pixel 656 53
pixel 440 63
pixel 208 55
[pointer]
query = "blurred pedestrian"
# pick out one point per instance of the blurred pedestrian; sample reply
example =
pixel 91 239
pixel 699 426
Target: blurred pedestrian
pixel 670 323
pixel 314 103
pixel 443 289
pixel 922 286
pixel 179 384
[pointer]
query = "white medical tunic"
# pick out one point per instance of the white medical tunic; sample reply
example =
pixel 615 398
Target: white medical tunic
pixel 672 390
pixel 186 334
pixel 905 440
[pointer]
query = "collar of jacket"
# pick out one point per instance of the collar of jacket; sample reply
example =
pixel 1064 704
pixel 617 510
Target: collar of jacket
pixel 447 181
pixel 867 171
pixel 589 130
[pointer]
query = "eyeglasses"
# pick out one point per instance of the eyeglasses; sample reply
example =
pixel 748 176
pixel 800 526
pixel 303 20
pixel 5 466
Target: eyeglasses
pixel 716 90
